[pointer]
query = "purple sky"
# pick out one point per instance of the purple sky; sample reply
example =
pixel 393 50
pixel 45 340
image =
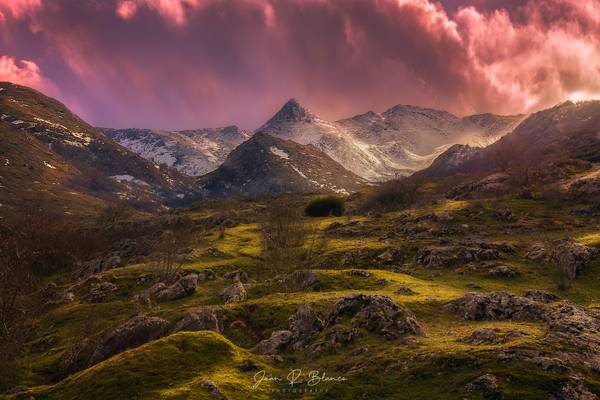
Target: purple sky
pixel 202 63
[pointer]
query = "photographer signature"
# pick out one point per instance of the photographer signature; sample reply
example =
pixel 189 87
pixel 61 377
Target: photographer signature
pixel 297 377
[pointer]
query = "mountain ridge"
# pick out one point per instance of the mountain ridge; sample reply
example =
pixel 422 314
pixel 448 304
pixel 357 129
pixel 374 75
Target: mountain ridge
pixel 88 163
pixel 266 165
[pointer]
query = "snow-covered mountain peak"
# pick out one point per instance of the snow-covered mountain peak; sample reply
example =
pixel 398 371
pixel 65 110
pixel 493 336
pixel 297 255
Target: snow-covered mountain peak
pixel 291 112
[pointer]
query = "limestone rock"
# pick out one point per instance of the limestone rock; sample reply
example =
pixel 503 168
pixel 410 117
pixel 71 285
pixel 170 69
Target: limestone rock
pixel 133 333
pixel 405 290
pixel 213 389
pixel 375 313
pixel 235 293
pixel 202 319
pixel 237 276
pixel 540 296
pixel 304 324
pixel 487 385
pixel 277 342
pixel 495 306
pixel 488 336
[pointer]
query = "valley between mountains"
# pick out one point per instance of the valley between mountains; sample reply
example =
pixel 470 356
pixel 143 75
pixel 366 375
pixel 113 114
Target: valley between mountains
pixel 407 254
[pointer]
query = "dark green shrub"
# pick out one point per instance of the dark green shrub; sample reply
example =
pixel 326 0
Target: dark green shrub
pixel 325 207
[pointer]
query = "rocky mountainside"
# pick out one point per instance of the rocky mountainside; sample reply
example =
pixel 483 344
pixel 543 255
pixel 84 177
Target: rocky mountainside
pixel 47 152
pixel 191 152
pixel 267 165
pixel 451 160
pixel 398 141
pixel 568 131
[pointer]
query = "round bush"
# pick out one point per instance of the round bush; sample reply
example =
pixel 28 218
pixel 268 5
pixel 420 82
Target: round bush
pixel 325 207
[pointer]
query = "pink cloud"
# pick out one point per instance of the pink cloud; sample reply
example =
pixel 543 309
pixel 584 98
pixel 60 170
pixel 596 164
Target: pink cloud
pixel 126 9
pixel 236 61
pixel 25 72
pixel 525 67
pixel 173 11
pixel 18 8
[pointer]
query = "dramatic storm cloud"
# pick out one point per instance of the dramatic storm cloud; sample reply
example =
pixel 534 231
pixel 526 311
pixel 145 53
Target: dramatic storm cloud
pixel 197 63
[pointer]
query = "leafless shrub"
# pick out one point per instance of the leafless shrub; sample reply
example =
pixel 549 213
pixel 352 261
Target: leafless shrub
pixel 18 294
pixel 288 241
pixel 553 195
pixel 397 194
pixel 565 274
pixel 170 248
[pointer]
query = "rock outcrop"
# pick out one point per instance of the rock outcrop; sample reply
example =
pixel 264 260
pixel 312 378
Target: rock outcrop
pixel 277 342
pixel 450 255
pixel 568 255
pixel 488 336
pixel 133 333
pixel 202 319
pixel 183 287
pixel 495 306
pixel 304 324
pixel 375 313
pixel 235 293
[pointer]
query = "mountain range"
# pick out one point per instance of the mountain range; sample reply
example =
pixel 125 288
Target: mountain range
pixel 374 146
pixel 48 154
pixel 397 142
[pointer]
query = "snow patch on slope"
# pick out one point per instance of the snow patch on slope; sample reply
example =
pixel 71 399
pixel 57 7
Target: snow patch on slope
pixel 279 153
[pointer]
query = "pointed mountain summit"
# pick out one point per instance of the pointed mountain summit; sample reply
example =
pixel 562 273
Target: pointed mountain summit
pixel 291 112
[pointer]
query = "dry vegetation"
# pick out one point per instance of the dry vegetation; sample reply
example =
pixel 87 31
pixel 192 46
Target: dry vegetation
pixel 289 242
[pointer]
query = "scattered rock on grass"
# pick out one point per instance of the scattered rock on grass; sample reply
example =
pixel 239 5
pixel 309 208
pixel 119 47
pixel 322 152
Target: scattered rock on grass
pixel 540 296
pixel 495 306
pixel 100 291
pixel 487 385
pixel 488 336
pixel 405 290
pixel 304 324
pixel 237 276
pixel 276 343
pixel 205 275
pixel 215 253
pixel 235 293
pixel 185 286
pixel 449 255
pixel 133 333
pixel 504 214
pixel 213 389
pixel 503 271
pixel 392 256
pixel 566 253
pixel 202 319
pixel 574 391
pixel 375 313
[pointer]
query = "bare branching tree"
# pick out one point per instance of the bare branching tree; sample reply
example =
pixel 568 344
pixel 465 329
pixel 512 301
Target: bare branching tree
pixel 397 194
pixel 288 240
pixel 170 248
